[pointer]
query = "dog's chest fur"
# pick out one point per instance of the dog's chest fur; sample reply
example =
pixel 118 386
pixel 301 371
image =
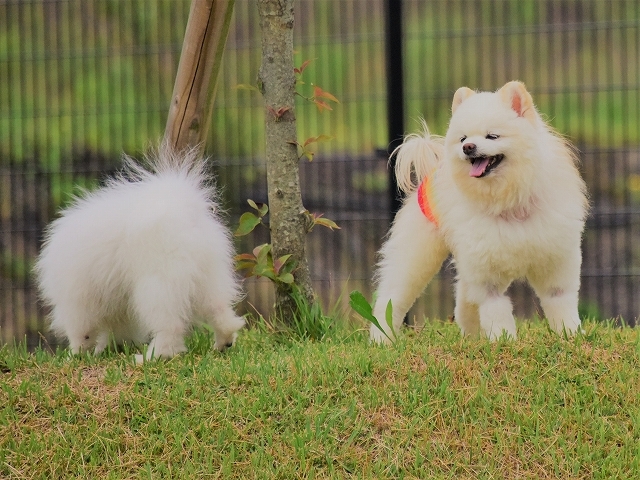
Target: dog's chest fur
pixel 510 245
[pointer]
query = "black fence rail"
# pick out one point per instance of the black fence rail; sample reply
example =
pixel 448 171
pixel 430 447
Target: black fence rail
pixel 82 82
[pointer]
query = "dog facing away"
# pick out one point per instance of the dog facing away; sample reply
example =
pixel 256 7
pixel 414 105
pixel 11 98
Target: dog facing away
pixel 501 193
pixel 142 259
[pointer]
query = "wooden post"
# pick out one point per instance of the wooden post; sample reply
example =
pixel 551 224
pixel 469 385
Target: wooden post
pixel 196 81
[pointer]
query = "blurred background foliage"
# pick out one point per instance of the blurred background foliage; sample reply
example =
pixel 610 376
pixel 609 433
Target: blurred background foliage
pixel 83 81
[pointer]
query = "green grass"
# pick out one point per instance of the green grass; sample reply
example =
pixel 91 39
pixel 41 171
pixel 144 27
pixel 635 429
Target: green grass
pixel 433 406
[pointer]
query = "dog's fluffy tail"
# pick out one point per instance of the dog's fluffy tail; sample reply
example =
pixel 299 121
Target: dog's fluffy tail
pixel 164 161
pixel 417 157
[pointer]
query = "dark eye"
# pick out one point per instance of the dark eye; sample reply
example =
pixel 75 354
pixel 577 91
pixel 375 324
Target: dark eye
pixel 492 136
pixel 464 137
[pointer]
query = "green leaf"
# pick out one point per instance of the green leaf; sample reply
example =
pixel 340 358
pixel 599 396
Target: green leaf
pixel 280 262
pixel 264 271
pixel 362 307
pixel 248 221
pixel 325 222
pixel 286 278
pixel 244 265
pixel 389 316
pixel 262 253
pixel 244 86
pixel 288 267
pixel 262 208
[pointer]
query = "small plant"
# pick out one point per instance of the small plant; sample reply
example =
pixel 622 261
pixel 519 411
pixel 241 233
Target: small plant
pixel 285 253
pixel 304 146
pixel 260 262
pixel 365 310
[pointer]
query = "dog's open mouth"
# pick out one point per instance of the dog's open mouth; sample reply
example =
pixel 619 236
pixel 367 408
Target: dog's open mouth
pixel 481 166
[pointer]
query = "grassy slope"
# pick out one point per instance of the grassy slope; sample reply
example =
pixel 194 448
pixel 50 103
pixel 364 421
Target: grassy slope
pixel 435 405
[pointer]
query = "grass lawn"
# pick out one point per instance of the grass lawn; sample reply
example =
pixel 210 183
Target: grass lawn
pixel 435 405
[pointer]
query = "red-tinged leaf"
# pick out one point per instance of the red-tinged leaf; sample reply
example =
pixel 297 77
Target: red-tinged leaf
pixel 279 112
pixel 322 105
pixel 319 138
pixel 282 110
pixel 302 67
pixel 260 248
pixel 279 262
pixel 293 142
pixel 245 266
pixel 325 222
pixel 323 138
pixel 318 92
pixel 249 257
pixel 309 140
pixel 248 221
pixel 263 258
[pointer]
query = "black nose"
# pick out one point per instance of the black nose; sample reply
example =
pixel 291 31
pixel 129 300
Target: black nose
pixel 469 148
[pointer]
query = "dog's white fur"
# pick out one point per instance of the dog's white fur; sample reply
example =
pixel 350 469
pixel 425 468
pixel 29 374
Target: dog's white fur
pixel 523 220
pixel 142 259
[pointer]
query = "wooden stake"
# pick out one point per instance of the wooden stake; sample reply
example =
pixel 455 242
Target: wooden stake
pixel 196 81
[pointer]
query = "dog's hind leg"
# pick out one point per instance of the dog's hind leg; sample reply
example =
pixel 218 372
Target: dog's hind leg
pixel 409 259
pixel 494 308
pixel 558 294
pixel 215 303
pixel 162 308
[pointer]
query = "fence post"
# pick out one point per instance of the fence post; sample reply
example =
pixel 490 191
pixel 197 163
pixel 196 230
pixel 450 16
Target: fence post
pixel 395 91
pixel 196 81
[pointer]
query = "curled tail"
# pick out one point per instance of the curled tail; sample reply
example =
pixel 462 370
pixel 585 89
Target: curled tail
pixel 417 157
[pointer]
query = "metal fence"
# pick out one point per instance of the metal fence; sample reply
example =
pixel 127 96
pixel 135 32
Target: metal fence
pixel 81 82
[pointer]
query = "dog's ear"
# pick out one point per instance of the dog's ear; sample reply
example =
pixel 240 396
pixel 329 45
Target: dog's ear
pixel 460 96
pixel 519 99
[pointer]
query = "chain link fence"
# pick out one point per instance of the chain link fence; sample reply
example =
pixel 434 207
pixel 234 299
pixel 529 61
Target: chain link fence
pixel 81 82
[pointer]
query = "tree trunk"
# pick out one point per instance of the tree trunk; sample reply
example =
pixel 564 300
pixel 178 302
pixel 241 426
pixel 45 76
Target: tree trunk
pixel 277 83
pixel 195 86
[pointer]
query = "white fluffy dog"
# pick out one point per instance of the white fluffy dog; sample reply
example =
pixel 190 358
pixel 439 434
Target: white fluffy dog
pixel 141 259
pixel 502 194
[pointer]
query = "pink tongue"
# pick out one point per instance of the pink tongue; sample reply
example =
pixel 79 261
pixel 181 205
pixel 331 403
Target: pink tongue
pixel 478 167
